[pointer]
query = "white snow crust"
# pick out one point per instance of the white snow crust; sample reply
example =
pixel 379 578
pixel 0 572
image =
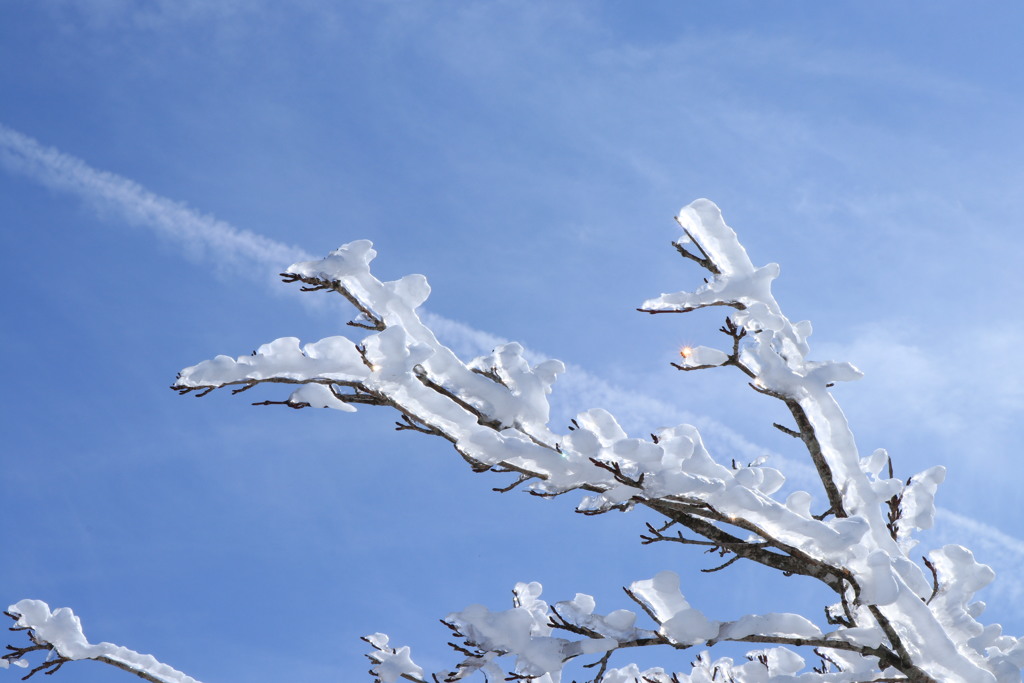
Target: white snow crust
pixel 391 664
pixel 495 410
pixel 62 629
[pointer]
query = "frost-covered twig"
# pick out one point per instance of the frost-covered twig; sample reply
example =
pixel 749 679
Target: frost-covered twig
pixel 892 620
pixel 527 633
pixel 494 410
pixel 59 634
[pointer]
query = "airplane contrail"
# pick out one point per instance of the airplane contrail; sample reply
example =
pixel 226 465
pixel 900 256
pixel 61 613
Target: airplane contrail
pixel 108 192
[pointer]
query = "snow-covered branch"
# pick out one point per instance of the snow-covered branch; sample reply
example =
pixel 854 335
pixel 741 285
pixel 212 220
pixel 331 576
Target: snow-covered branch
pixel 893 619
pixel 494 410
pixel 540 637
pixel 59 634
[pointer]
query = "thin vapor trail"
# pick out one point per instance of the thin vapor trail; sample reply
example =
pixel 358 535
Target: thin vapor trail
pixel 207 237
pixel 200 235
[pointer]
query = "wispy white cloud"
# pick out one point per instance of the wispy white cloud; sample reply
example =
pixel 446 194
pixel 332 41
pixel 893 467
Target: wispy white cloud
pixel 214 240
pixel 962 391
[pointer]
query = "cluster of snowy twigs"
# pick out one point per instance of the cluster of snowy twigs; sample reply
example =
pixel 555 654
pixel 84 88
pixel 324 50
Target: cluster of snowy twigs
pixel 894 619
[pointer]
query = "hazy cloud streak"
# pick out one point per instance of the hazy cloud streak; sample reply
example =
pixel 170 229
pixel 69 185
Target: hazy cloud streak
pixel 109 193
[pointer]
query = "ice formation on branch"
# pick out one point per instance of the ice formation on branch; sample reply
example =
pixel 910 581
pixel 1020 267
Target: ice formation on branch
pixel 893 619
pixel 60 634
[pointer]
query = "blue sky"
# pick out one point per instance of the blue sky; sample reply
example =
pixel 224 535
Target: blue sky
pixel 527 157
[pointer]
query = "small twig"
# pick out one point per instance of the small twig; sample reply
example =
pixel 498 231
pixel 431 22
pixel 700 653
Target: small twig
pixel 247 384
pixel 895 509
pixel 603 663
pixel 560 622
pixel 620 477
pixel 737 333
pixel 491 374
pixel 657 535
pixel 836 619
pixel 481 418
pixel 935 580
pixel 517 482
pixel 643 605
pixel 291 404
pixel 687 368
pixel 548 494
pixel 704 260
pixel 810 439
pixel 721 566
pixel 314 284
pixel 463 651
pixel 686 309
pixel 409 424
pixel 53 665
pixel 362 321
pixel 623 507
pixel 203 391
pixel 786 430
pixel 824 514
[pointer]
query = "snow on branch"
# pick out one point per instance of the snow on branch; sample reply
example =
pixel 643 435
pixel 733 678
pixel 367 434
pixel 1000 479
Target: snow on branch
pixel 540 638
pixel 494 410
pixel 893 619
pixel 59 634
